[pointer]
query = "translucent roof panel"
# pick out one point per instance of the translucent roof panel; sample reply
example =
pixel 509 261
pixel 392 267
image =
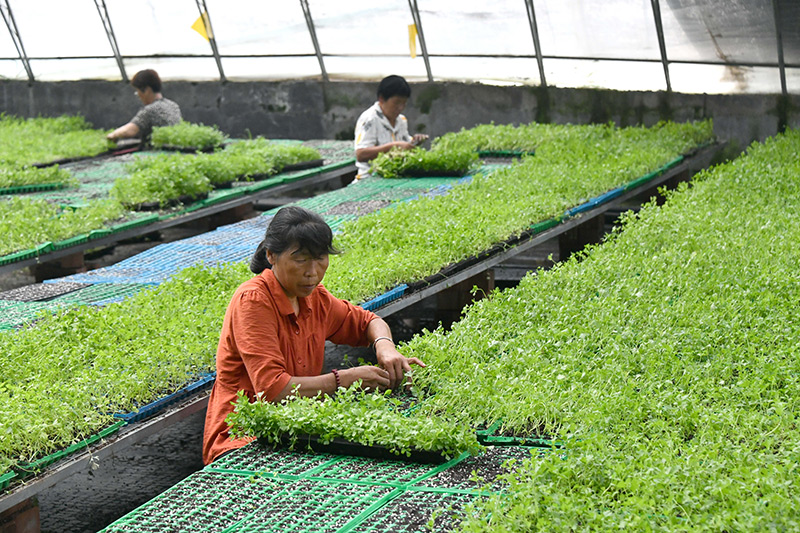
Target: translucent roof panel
pixel 720 30
pixel 271 68
pixel 359 68
pixel 618 75
pixel 150 27
pixel 362 27
pixel 176 68
pixel 617 29
pixel 720 79
pixel 473 28
pixel 12 69
pixel 49 33
pixel 244 27
pixel 76 69
pixel 488 70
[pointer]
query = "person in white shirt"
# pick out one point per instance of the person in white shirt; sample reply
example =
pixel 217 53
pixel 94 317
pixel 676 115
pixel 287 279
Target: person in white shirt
pixel 382 127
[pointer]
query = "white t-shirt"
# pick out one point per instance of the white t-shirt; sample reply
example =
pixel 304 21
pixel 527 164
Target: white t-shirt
pixel 373 129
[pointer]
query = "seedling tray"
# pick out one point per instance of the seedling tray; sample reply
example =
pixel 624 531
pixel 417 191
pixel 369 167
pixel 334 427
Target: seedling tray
pixel 26 254
pixel 159 405
pixel 345 447
pixel 34 187
pixel 303 165
pixel 155 206
pixel 258 458
pixel 504 153
pixel 395 472
pixel 186 149
pixel 6 479
pixel 416 511
pixel 72 241
pixel 25 470
pixel 385 298
pixel 434 174
pixel 216 502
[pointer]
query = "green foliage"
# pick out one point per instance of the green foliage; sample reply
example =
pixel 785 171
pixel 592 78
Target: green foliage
pixel 24 142
pixel 528 137
pixel 416 239
pixel 60 379
pixel 160 179
pixel 421 162
pixel 26 223
pixel 90 361
pixel 167 177
pixel 17 176
pixel 666 359
pixel 354 415
pixel 187 135
pixel 42 140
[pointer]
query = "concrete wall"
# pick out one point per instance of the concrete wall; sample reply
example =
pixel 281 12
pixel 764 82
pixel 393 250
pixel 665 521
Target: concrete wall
pixel 316 110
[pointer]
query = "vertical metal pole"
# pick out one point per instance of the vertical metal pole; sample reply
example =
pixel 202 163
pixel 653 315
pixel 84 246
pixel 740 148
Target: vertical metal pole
pixel 11 24
pixel 102 10
pixel 412 4
pixel 536 46
pixel 779 38
pixel 313 33
pixel 661 43
pixel 210 33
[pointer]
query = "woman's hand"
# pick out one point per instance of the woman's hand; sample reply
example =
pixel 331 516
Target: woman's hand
pixel 372 377
pixel 395 363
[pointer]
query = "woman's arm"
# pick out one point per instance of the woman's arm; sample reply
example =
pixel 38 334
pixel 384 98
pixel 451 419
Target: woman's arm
pixel 371 378
pixel 395 363
pixel 124 132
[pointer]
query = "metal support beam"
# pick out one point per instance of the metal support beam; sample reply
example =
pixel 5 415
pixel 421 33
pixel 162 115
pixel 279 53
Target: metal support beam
pixel 312 31
pixel 11 24
pixel 102 10
pixel 536 46
pixel 779 39
pixel 662 46
pixel 412 4
pixel 203 9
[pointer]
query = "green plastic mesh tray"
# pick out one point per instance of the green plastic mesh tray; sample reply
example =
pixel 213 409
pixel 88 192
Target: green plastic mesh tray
pixel 216 501
pixel 203 502
pixel 417 511
pixel 6 479
pixel 256 457
pixel 476 473
pixel 36 187
pixel 312 506
pixel 373 470
pixel 24 470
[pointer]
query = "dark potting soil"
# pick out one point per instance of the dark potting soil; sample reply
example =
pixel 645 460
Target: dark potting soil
pixel 486 466
pixel 376 471
pixel 309 505
pixel 418 512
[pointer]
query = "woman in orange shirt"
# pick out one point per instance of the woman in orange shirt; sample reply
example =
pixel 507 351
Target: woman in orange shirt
pixel 274 332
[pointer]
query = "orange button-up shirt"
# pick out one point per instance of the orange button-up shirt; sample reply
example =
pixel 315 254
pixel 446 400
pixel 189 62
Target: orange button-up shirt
pixel 263 344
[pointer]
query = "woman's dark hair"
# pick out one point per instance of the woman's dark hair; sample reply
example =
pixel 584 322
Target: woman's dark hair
pixel 292 227
pixel 147 78
pixel 393 86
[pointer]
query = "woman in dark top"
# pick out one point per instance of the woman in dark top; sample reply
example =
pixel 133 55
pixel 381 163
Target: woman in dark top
pixel 157 110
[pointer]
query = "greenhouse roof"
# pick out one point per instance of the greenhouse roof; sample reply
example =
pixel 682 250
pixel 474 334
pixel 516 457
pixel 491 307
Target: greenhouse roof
pixel 690 46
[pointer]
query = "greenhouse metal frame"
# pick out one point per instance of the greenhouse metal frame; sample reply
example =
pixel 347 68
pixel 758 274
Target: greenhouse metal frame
pixel 759 35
